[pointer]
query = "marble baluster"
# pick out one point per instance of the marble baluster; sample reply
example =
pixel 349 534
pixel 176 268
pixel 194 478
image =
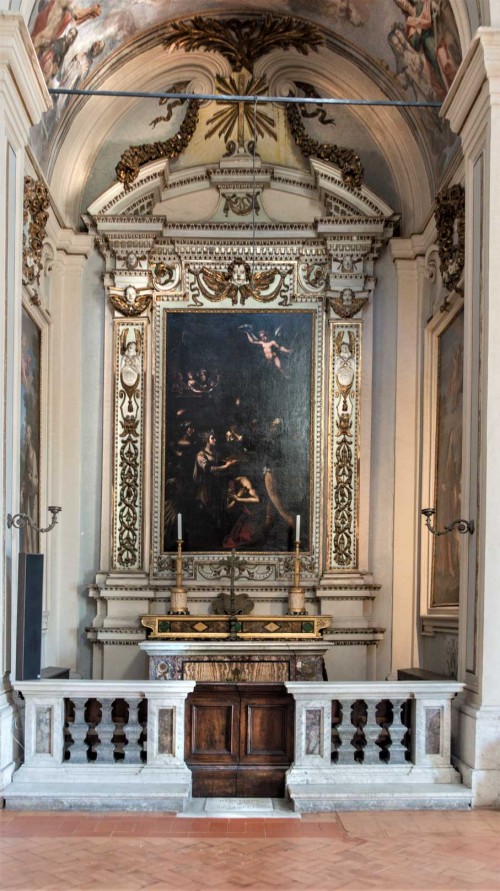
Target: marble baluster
pixel 79 729
pixel 105 731
pixel 132 730
pixel 397 731
pixel 371 730
pixel 345 732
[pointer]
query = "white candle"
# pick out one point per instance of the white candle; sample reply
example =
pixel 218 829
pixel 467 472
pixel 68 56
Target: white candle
pixel 297 528
pixel 179 527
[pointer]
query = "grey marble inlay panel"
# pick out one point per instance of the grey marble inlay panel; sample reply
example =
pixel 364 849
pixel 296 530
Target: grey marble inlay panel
pixel 43 742
pixel 432 731
pixel 165 731
pixel 313 731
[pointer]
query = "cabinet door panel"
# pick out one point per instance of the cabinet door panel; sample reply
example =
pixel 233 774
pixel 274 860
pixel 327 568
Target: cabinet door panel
pixel 212 728
pixel 266 729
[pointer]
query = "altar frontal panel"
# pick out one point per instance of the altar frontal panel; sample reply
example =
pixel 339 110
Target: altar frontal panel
pixel 238 399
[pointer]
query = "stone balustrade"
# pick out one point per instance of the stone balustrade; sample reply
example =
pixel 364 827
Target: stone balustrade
pixel 102 744
pixel 394 737
pixel 120 744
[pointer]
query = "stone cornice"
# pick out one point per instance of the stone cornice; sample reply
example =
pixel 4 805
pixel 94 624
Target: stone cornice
pixel 20 75
pixel 481 62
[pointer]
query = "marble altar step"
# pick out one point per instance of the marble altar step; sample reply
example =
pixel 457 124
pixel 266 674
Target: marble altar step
pixel 316 798
pixel 246 808
pixel 122 796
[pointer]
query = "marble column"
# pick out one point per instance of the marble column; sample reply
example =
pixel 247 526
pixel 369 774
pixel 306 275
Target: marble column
pixel 472 108
pixel 23 99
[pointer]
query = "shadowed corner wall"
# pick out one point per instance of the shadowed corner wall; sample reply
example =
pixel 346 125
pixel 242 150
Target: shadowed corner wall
pixel 91 449
pixel 382 456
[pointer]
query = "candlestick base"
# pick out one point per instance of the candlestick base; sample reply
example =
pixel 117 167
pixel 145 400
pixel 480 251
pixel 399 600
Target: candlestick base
pixel 296 602
pixel 178 602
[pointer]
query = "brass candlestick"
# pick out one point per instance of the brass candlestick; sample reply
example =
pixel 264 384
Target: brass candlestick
pixel 178 595
pixel 296 594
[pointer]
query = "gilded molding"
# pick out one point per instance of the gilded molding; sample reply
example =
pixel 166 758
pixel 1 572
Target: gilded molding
pixel 132 159
pixel 344 439
pixel 35 215
pixel 243 41
pixel 450 223
pixel 128 458
pixel 346 159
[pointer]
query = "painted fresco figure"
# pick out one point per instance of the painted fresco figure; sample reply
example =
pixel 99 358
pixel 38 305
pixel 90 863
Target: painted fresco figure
pixel 54 17
pixel 430 37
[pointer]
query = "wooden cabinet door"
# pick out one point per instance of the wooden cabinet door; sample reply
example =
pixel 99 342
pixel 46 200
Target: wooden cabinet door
pixel 239 739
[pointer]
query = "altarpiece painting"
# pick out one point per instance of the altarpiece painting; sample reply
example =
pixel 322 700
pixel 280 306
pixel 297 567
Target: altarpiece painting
pixel 446 571
pixel 30 430
pixel 238 402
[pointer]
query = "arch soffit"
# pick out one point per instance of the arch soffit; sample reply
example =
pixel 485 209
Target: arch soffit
pixel 405 157
pixel 97 117
pixel 94 119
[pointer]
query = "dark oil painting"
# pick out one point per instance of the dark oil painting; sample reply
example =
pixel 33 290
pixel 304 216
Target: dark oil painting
pixel 446 564
pixel 237 434
pixel 30 430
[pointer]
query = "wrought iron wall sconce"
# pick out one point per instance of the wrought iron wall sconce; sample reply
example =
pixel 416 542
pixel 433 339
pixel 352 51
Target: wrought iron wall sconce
pixel 20 521
pixel 461 526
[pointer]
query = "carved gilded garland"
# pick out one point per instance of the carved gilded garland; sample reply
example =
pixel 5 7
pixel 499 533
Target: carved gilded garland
pixel 128 446
pixel 133 158
pixel 344 445
pixel 35 216
pixel 346 159
pixel 450 224
pixel 243 41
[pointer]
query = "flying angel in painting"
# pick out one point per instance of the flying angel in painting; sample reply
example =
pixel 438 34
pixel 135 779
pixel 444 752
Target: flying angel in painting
pixel 271 349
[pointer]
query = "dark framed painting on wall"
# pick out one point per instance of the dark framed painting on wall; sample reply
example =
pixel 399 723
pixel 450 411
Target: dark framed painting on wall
pixel 448 471
pixel 238 402
pixel 30 430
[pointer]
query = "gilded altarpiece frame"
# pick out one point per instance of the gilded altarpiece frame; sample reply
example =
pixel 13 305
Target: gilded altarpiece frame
pixel 130 349
pixel 343 445
pixel 442 467
pixel 269 566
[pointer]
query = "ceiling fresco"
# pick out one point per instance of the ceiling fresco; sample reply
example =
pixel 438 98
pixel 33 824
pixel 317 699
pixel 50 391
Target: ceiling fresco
pixel 412 44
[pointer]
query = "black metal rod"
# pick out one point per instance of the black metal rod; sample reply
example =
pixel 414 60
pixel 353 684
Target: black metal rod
pixel 222 97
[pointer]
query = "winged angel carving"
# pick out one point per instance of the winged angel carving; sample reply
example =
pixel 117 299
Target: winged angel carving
pixel 238 282
pixel 130 301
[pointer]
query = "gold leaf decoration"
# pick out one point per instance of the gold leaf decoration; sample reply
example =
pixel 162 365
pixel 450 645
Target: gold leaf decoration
pixel 132 159
pixel 450 225
pixel 242 42
pixel 346 159
pixel 35 216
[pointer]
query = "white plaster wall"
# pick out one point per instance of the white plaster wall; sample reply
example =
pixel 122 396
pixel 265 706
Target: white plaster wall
pixel 92 334
pixel 383 431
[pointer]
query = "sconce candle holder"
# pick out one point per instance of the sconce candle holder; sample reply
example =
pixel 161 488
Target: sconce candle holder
pixel 462 526
pixel 20 521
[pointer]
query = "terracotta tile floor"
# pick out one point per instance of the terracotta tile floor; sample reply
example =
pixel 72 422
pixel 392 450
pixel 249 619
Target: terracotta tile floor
pixel 389 850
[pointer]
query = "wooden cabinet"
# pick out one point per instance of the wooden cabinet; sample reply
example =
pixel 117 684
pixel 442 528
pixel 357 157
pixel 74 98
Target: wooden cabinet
pixel 239 739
